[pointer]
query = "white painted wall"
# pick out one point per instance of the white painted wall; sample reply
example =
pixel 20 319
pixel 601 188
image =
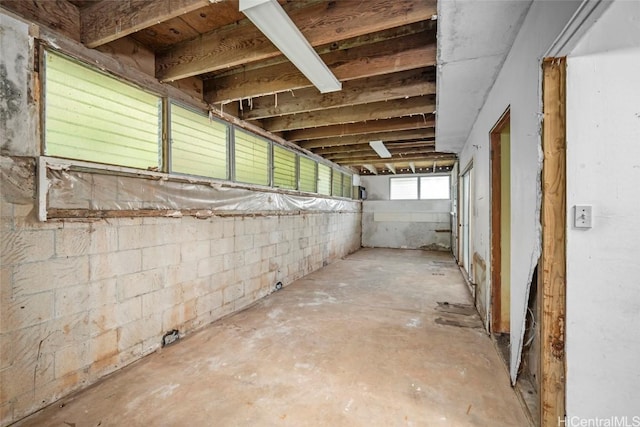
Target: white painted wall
pixel 411 224
pixel 603 263
pixel 517 85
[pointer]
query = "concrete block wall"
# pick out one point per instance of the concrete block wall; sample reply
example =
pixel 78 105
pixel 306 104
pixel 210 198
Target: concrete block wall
pixel 82 299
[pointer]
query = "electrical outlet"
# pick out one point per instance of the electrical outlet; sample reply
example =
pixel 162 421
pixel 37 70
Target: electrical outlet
pixel 582 216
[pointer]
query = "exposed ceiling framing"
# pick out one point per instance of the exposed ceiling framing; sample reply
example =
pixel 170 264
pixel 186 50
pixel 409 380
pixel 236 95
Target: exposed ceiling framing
pixel 383 52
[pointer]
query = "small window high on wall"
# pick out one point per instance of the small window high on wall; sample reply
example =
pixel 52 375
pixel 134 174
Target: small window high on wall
pixel 324 179
pixel 251 158
pixel 198 144
pixel 308 174
pixel 423 188
pixel 94 117
pixel 284 168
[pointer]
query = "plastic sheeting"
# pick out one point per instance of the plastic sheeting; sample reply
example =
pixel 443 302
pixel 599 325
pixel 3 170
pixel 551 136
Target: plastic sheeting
pixel 100 190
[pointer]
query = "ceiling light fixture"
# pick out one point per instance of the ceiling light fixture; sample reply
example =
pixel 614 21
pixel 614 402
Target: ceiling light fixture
pixel 274 23
pixel 380 149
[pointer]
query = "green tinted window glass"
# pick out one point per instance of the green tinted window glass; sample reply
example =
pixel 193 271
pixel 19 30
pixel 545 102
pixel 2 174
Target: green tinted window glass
pixel 308 179
pixel 324 179
pixel 198 144
pixel 251 158
pixel 94 117
pixel 284 168
pixel 346 185
pixel 336 183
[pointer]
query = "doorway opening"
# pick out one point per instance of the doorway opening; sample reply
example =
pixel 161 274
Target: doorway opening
pixel 500 137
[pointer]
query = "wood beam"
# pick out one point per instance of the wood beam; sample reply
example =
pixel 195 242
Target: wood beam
pixel 367 148
pixel 375 159
pixel 358 113
pixel 108 20
pixel 364 139
pixel 391 167
pixel 396 153
pixel 374 126
pixel 320 23
pixel 371 169
pixel 57 15
pixel 552 271
pixel 384 57
pixel 362 91
pixel 412 166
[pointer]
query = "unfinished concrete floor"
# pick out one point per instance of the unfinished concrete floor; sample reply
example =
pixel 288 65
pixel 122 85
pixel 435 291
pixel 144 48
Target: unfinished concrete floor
pixel 381 338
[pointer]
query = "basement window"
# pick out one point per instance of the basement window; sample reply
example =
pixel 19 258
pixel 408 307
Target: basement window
pixel 324 179
pixel 308 174
pixel 284 168
pixel 434 188
pixel 336 183
pixel 251 158
pixel 423 188
pixel 346 185
pixel 94 117
pixel 403 188
pixel 198 144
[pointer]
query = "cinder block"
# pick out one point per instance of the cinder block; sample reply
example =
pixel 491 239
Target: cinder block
pixel 195 250
pixel 160 256
pixel 268 252
pixel 129 310
pixel 222 246
pixel 140 236
pixel 282 248
pixel 19 247
pixel 71 300
pixel 233 260
pixel 232 293
pixel 209 302
pixel 132 285
pixel 136 332
pixel 71 359
pixel 104 318
pixel 159 301
pixel 104 266
pixel 252 255
pixel 181 273
pixel 242 243
pixel 104 346
pixel 27 310
pixel 261 240
pixel 44 275
pixel 211 265
pixel 228 227
pixel 103 292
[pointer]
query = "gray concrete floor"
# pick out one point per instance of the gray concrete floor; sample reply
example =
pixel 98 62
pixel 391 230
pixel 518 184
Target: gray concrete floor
pixel 382 338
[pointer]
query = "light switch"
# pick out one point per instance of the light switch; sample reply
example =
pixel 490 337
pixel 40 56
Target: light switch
pixel 582 216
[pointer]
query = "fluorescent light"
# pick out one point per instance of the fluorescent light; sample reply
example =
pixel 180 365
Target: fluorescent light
pixel 273 21
pixel 380 149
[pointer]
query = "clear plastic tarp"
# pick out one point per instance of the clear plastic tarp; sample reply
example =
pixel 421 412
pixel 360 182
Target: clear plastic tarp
pixel 109 191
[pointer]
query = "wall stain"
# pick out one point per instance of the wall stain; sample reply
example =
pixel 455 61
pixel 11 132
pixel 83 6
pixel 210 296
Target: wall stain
pixel 9 97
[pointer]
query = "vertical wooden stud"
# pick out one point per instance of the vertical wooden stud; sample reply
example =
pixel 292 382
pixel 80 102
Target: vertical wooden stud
pixel 553 262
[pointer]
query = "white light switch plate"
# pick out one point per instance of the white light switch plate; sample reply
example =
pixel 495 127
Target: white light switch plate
pixel 583 216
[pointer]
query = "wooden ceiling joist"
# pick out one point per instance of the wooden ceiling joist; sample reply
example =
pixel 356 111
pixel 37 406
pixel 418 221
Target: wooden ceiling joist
pixel 366 148
pixel 371 169
pixel 373 126
pixel 384 57
pixel 354 92
pixel 59 15
pixel 359 113
pixel 364 139
pixel 320 23
pixel 376 160
pixel 108 20
pixel 394 154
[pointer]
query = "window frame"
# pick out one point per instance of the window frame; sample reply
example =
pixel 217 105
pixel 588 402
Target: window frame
pixel 168 97
pixel 418 180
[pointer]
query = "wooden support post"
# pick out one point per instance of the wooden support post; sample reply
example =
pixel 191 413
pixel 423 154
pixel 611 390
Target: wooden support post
pixel 553 262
